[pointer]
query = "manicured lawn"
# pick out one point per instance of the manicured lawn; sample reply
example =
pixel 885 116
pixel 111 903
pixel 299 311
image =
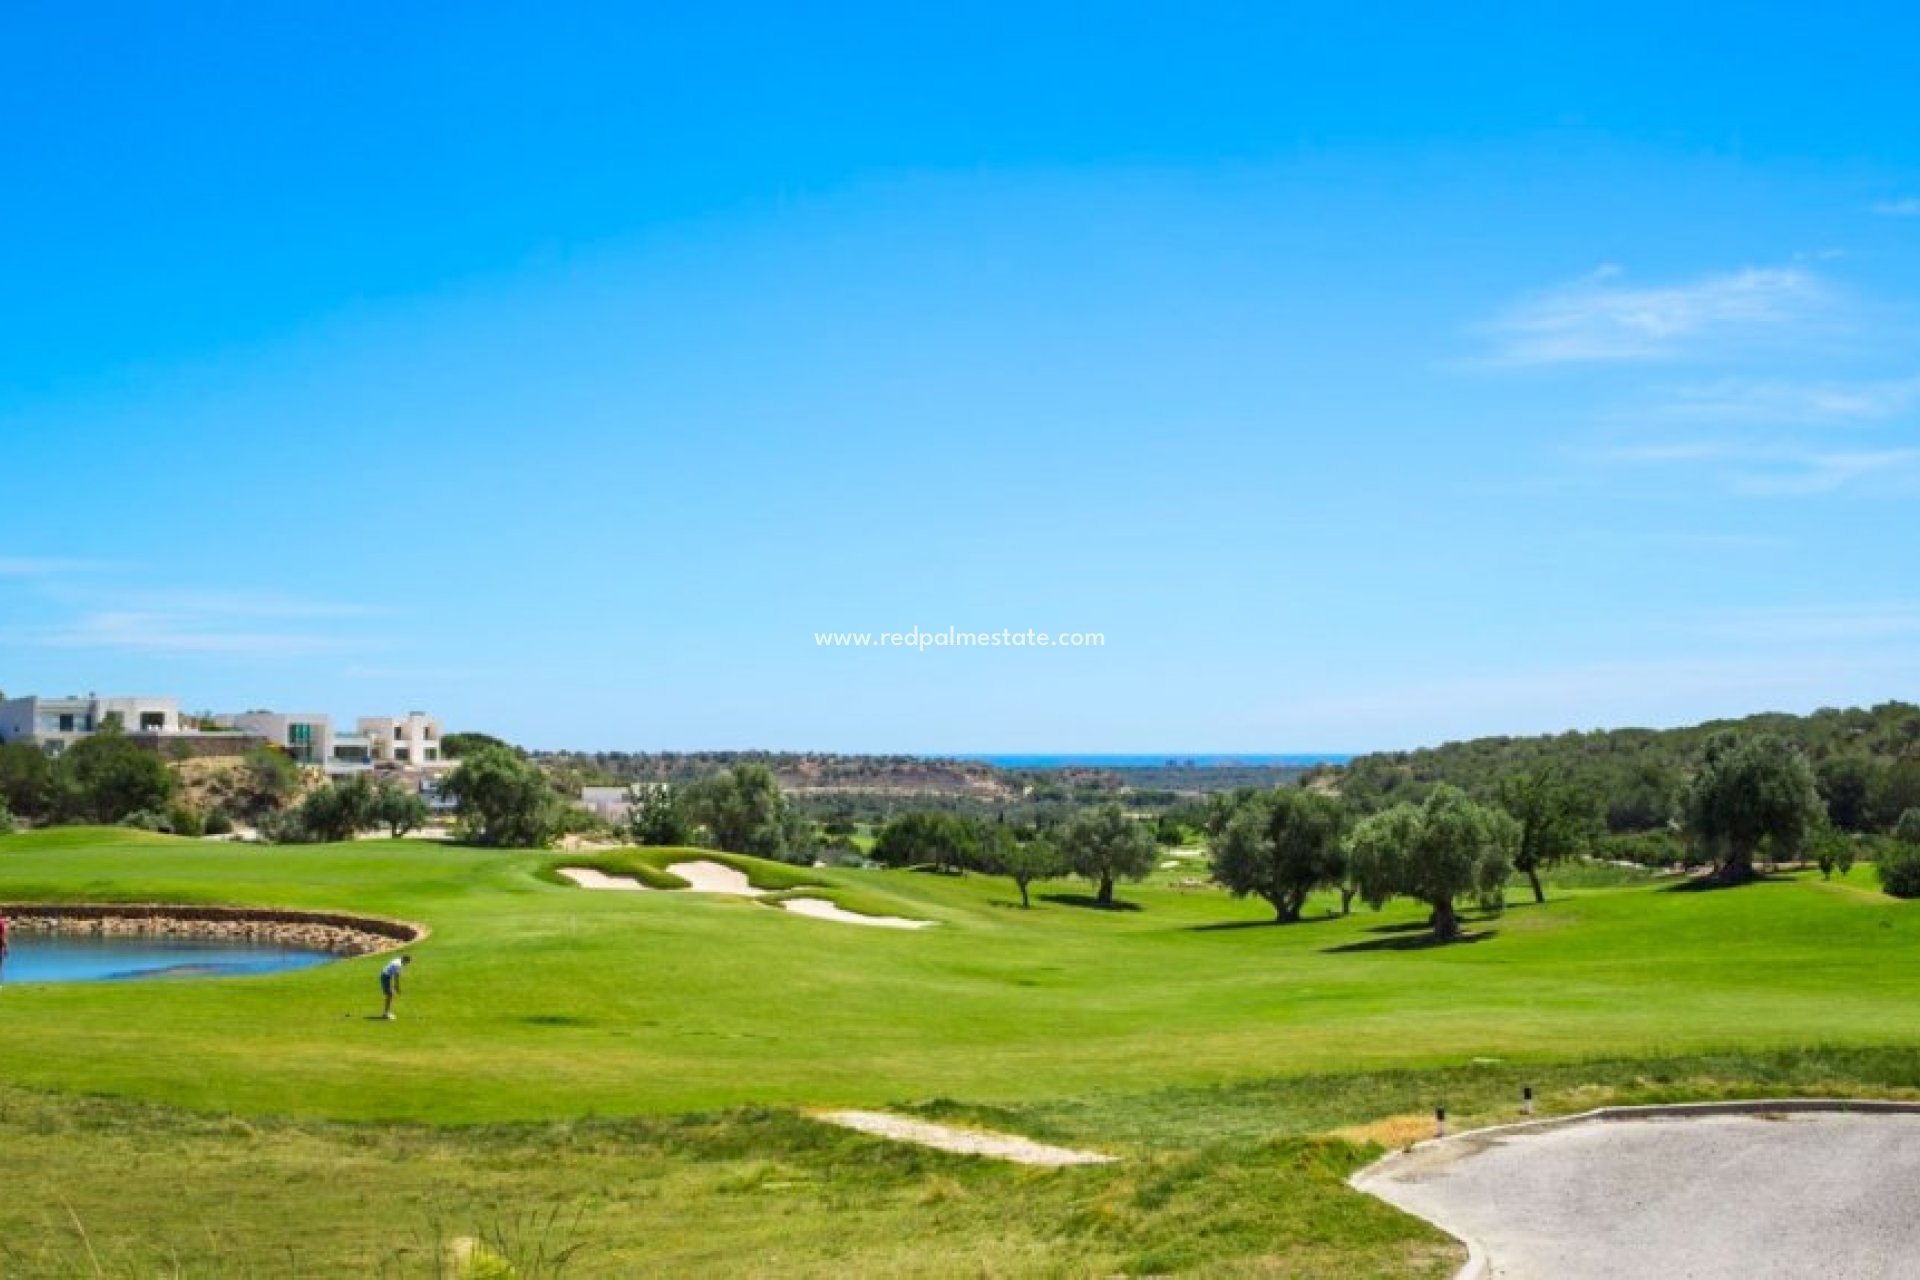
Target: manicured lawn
pixel 533 999
pixel 608 1041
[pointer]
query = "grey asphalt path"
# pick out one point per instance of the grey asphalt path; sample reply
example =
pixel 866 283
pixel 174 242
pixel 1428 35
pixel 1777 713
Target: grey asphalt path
pixel 1805 1197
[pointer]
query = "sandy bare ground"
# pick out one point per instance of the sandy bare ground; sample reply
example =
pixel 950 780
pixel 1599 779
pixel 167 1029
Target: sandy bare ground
pixel 1739 1197
pixel 588 878
pixel 821 909
pixel 966 1142
pixel 716 877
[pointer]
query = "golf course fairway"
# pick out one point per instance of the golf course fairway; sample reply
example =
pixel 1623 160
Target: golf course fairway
pixel 609 1083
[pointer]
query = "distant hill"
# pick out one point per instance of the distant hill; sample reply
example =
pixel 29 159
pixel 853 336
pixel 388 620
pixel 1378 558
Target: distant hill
pixel 1868 761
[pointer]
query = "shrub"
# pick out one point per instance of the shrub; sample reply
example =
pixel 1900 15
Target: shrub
pixel 1907 828
pixel 7 825
pixel 186 821
pixel 1899 863
pixel 1655 849
pixel 148 820
pixel 217 824
pixel 1899 869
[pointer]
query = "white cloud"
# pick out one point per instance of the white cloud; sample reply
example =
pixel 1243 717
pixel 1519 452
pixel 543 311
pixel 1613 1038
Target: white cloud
pixel 1597 320
pixel 1745 400
pixel 176 634
pixel 1670 451
pixel 1793 474
pixel 1771 469
pixel 359 671
pixel 1904 207
pixel 246 604
pixel 199 622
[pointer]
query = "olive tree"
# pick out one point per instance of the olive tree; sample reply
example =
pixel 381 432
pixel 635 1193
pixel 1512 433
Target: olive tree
pixel 1751 790
pixel 107 776
pixel 1022 861
pixel 1281 845
pixel 742 808
pixel 399 809
pixel 503 798
pixel 1448 848
pixel 1556 821
pixel 26 779
pixel 1106 845
pixel 944 841
pixel 655 816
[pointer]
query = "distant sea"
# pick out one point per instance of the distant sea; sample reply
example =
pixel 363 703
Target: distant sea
pixel 1175 759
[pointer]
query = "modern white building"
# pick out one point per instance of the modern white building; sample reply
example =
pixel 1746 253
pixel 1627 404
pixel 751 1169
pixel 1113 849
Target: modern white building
pixel 54 724
pixel 410 743
pixel 306 736
pixel 412 740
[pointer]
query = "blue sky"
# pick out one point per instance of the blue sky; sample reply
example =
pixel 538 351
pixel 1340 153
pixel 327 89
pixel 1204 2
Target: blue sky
pixel 1366 379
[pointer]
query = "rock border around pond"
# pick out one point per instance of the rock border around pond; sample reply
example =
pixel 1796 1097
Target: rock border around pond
pixel 332 931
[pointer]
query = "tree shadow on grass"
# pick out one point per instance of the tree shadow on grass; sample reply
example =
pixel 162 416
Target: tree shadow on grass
pixel 1220 926
pixel 1087 901
pixel 1712 883
pixel 1424 941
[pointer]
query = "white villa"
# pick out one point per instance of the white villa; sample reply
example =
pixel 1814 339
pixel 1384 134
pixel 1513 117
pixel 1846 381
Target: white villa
pixel 408 743
pixel 411 742
pixel 54 724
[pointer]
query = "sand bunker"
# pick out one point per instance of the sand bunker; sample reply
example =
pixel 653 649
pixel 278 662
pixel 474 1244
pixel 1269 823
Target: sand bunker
pixel 821 909
pixel 588 878
pixel 966 1142
pixel 717 877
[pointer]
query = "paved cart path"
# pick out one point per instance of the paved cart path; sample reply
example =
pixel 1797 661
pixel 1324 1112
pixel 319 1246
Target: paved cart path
pixel 1741 1197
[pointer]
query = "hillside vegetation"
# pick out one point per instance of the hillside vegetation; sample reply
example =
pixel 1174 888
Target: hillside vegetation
pixel 1867 760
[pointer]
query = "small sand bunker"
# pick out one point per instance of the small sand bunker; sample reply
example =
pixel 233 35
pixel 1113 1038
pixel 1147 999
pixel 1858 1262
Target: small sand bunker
pixel 966 1142
pixel 715 877
pixel 588 878
pixel 821 909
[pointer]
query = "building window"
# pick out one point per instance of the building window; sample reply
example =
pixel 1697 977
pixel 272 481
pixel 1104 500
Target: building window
pixel 401 754
pixel 66 723
pixel 433 753
pixel 152 721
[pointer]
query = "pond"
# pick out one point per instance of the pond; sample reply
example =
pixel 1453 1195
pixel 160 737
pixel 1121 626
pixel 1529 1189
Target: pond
pixel 91 958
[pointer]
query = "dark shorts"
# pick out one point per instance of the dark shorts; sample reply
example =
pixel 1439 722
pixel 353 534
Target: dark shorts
pixel 386 984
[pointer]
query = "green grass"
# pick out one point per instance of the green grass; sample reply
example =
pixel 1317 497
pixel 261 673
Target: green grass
pixel 145 1191
pixel 625 1032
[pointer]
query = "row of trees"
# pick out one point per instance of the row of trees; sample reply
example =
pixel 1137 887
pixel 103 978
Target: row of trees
pixel 740 810
pixel 103 778
pixel 1102 845
pixel 1750 795
pixel 342 810
pixel 1287 844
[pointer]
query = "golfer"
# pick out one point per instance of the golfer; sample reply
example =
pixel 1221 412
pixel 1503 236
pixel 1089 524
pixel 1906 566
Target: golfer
pixel 390 983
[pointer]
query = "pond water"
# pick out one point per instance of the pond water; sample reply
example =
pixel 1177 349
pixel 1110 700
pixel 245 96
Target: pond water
pixel 86 958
